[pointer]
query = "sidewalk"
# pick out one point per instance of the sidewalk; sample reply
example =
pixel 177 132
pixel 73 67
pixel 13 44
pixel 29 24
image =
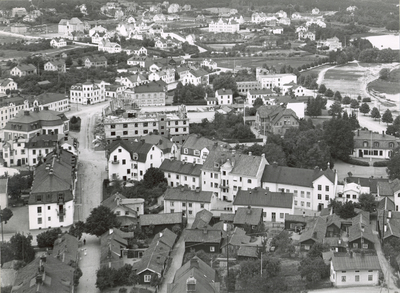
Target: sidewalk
pixel 89 264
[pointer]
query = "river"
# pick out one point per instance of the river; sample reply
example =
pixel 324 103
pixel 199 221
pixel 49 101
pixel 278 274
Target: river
pixel 385 41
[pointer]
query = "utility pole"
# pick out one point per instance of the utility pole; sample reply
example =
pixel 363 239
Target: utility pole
pixel 227 255
pixel 1 220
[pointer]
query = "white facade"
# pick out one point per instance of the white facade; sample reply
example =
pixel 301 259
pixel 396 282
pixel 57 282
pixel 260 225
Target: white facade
pixel 58 43
pixel 275 80
pixel 176 179
pixel 191 207
pixel 86 93
pixel 43 216
pixel 351 278
pixel 121 166
pixel 222 26
pixel 270 214
pixel 224 97
pixel 7 84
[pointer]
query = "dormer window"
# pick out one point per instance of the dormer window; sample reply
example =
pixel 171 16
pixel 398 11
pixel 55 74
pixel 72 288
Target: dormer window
pixel 376 144
pixel 216 165
pixel 196 152
pixel 391 144
pixel 135 157
pixel 185 151
pixel 365 144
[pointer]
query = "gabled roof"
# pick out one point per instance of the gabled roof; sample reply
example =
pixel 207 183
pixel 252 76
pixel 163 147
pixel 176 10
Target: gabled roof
pixel 372 183
pixel 249 215
pixel 202 219
pixel 26 67
pixel 151 87
pixel 161 219
pixel 262 198
pixel 196 142
pixel 224 92
pixel 384 140
pixel 294 176
pixel 44 117
pixel 345 262
pixel 247 251
pixel 360 228
pixel 179 167
pixel 66 248
pixel 139 148
pixel 202 236
pixel 185 194
pixel 57 277
pixel 316 231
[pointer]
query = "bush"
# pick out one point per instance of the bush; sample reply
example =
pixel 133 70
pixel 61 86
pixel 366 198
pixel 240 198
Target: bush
pixel 357 162
pixel 366 100
pixel 381 164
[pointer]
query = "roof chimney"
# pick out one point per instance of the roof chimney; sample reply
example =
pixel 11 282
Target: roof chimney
pixel 26 113
pixel 194 263
pixel 383 133
pixel 191 284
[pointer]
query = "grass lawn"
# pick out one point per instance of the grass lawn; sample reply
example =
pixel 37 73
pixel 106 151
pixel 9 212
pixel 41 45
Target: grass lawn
pixel 289 269
pixel 15 54
pixel 390 86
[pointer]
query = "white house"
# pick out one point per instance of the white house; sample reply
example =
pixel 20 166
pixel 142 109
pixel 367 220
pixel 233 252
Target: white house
pixel 209 63
pixel 312 189
pixel 274 204
pixel 222 26
pixel 51 200
pixel 187 201
pixel 315 11
pixel 55 65
pixel 58 43
pixel 224 96
pixel 129 160
pixel 275 80
pixel 109 47
pixel 354 269
pixel 23 70
pixel 368 144
pixel 86 93
pixel 196 148
pixel 180 173
pixel 7 84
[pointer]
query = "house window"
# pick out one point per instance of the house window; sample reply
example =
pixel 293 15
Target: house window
pixel 123 162
pixel 48 207
pixel 302 194
pixel 308 194
pixel 248 180
pixel 49 219
pixel 190 205
pixel 147 278
pixel 125 132
pixel 212 249
pixel 112 133
pixel 185 151
pixel 39 221
pixel 190 212
pixel 172 211
pixel 295 202
pixel 319 187
pixel 172 204
pixel 308 204
pixel 326 188
pixel 365 245
pixel 355 245
pixel 281 215
pixel 370 277
pixel 355 196
pixel 376 144
pixel 302 203
pixel 326 197
pixel 319 196
pixel 343 279
pixel 39 210
pixel 357 278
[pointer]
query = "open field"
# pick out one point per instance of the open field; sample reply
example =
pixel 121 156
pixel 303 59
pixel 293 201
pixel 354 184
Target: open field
pixel 15 54
pixel 390 86
pixel 358 171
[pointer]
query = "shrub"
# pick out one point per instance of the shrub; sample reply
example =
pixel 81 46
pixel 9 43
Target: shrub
pixel 381 164
pixel 357 162
pixel 366 100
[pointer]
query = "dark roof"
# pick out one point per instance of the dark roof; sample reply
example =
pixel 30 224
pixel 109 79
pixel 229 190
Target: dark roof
pixel 66 248
pixel 227 217
pixel 202 219
pixel 43 118
pixel 196 142
pixel 343 262
pixel 262 198
pixel 151 87
pixel 47 98
pixel 197 271
pixel 202 236
pixel 185 194
pixel 133 147
pixel 58 277
pixel 43 140
pixel 247 251
pixel 176 166
pixel 26 67
pixel 160 219
pixel 224 92
pixel 161 141
pixel 383 140
pixel 294 176
pixel 251 216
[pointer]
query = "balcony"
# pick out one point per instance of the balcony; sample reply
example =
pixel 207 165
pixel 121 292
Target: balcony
pixel 224 186
pixel 61 212
pixel 115 162
pixel 60 200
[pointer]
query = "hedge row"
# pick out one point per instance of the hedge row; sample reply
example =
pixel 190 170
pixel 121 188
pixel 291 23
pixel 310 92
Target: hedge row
pixel 357 162
pixel 381 164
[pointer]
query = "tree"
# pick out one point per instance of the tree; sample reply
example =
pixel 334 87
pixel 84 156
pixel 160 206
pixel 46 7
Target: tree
pixel 354 104
pixel 394 129
pixel 346 100
pixel 258 102
pixel 77 275
pixel 22 248
pixel 387 117
pixel 367 202
pixel 105 278
pixel 315 106
pixel 313 269
pixel 225 81
pixel 47 238
pixel 337 96
pixel 18 183
pixel 338 134
pixel 335 109
pixel 6 215
pixel 77 229
pixel 393 167
pixel 375 113
pixel 134 278
pixel 384 73
pixel 329 93
pixel 322 89
pixel 100 220
pixel 364 108
pixel 230 280
pixel 153 177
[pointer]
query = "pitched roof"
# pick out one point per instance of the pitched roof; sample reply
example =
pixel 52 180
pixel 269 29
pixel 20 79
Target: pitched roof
pixel 196 142
pixel 202 219
pixel 262 198
pixel 151 87
pixel 139 148
pixel 247 251
pixel 360 228
pixel 66 248
pixel 224 92
pixel 370 137
pixel 185 194
pixel 202 236
pixel 159 140
pixel 57 277
pixel 161 219
pixel 343 262
pixel 294 176
pixel 43 118
pixel 372 183
pixel 179 167
pixel 199 272
pixel 251 216
pixel 26 67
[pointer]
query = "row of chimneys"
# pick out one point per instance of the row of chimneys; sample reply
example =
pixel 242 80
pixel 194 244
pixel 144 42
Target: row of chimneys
pixel 383 132
pixel 36 109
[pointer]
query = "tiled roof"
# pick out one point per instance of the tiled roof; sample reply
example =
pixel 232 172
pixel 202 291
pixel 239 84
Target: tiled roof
pixel 198 270
pixel 179 167
pixel 251 216
pixel 66 248
pixel 262 198
pixel 47 98
pixel 315 231
pixel 161 141
pixel 202 219
pixel 58 277
pixel 247 251
pixel 195 142
pixel 167 237
pixel 151 87
pixel 26 67
pixel 44 117
pixel 139 148
pixel 294 176
pixel 384 188
pixel 161 219
pixel 224 92
pixel 227 217
pixel 185 194
pixel 344 262
pixel 202 236
pixel 383 140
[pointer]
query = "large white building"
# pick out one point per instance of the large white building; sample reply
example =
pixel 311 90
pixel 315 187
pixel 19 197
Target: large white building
pixel 275 80
pixel 224 26
pixel 180 173
pixel 51 200
pixel 312 189
pixel 129 160
pixel 7 84
pixel 86 93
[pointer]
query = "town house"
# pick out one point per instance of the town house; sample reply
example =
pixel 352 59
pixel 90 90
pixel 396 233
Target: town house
pixel 180 173
pixel 55 65
pixel 23 70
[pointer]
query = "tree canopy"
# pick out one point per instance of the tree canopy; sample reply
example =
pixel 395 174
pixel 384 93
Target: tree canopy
pixel 387 117
pixel 364 108
pixel 338 134
pixel 153 177
pixel 100 220
pixel 375 113
pixel 393 167
pixel 47 238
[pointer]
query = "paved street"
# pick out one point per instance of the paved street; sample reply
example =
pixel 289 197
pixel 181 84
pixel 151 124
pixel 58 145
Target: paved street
pixel 89 263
